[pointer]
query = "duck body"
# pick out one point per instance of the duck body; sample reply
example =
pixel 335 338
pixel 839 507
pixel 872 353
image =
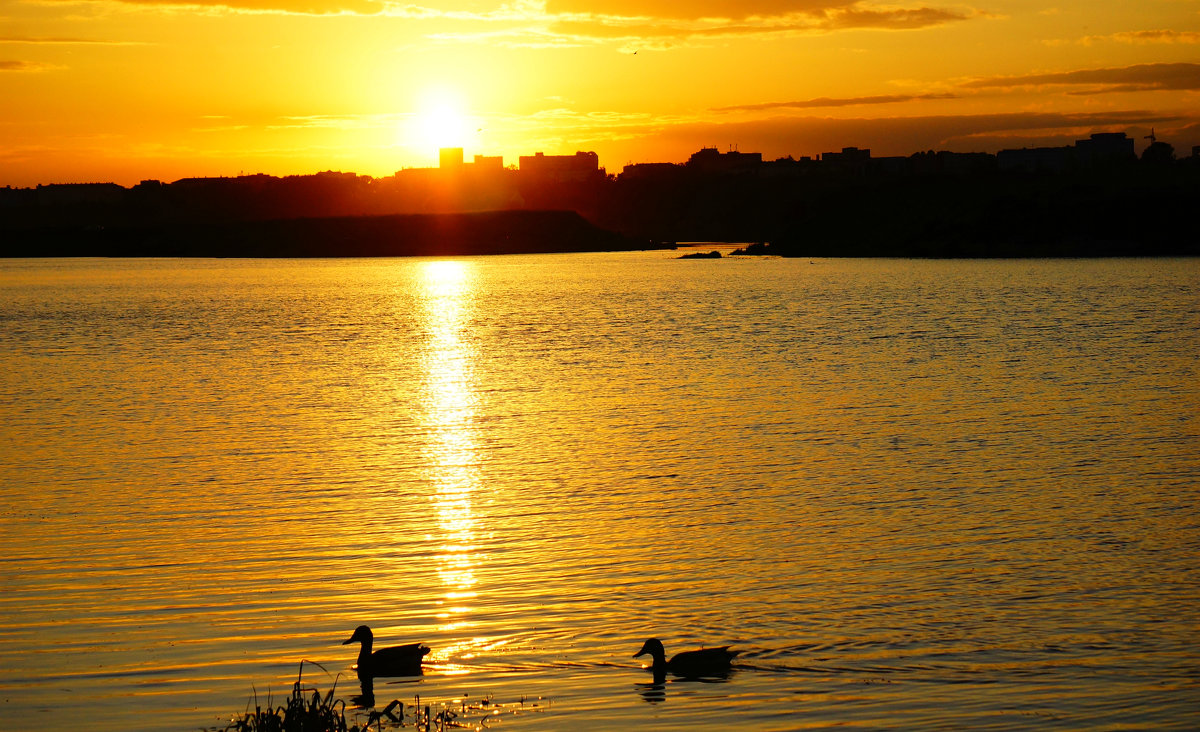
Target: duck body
pixel 391 661
pixel 689 664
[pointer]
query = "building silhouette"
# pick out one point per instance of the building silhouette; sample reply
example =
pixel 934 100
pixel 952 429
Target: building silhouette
pixel 450 158
pixel 1101 148
pixel 580 167
pixel 1093 190
pixel 712 160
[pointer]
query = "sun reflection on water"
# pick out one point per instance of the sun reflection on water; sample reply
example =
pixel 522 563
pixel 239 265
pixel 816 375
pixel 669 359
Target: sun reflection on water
pixel 449 408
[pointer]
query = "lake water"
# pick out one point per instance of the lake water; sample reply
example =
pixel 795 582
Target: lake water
pixel 916 494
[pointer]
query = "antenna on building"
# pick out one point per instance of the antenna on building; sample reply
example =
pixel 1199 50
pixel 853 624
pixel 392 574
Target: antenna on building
pixel 1151 137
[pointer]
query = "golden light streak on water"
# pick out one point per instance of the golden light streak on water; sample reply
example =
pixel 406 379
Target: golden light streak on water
pixel 449 413
pixel 915 494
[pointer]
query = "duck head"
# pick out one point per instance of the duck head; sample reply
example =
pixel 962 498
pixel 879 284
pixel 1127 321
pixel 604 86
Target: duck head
pixel 655 648
pixel 362 634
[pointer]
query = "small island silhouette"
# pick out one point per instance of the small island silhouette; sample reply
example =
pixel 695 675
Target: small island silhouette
pixel 1093 198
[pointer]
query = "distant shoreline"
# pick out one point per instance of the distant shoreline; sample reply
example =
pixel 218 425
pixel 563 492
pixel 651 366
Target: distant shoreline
pixel 1128 209
pixel 400 235
pixel 1058 249
pixel 1135 210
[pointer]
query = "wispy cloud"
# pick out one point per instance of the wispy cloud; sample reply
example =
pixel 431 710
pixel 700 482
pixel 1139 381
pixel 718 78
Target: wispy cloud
pixel 642 29
pixel 26 66
pixel 730 9
pixel 893 18
pixel 1140 38
pixel 517 37
pixel 1149 36
pixel 820 102
pixel 67 41
pixel 274 7
pixel 221 128
pixel 841 19
pixel 461 10
pixel 557 23
pixel 338 122
pixel 1142 77
pixel 802 135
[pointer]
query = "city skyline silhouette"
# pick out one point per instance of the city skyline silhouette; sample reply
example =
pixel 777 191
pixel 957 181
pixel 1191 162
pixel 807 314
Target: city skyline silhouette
pixel 125 91
pixel 1095 197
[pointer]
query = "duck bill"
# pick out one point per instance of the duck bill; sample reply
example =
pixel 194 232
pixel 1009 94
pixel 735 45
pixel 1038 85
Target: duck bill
pixel 348 641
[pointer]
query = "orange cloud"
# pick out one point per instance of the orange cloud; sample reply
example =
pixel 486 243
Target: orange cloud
pixel 665 32
pixel 898 18
pixel 67 41
pixel 1142 77
pixel 813 16
pixel 1147 36
pixel 833 102
pixel 782 136
pixel 434 9
pixel 24 66
pixel 695 8
pixel 299 7
pixel 893 18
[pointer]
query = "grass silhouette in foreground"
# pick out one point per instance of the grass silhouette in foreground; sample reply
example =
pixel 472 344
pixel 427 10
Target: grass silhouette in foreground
pixel 307 710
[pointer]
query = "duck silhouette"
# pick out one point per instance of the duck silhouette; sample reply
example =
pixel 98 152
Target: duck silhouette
pixel 393 661
pixel 689 664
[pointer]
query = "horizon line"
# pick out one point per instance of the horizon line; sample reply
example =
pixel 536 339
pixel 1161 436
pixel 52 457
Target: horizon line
pixel 732 148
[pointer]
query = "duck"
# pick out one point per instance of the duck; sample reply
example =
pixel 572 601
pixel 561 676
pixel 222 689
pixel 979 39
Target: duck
pixel 689 664
pixel 393 661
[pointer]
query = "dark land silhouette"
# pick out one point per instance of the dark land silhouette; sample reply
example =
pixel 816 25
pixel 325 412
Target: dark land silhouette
pixel 1093 198
pixel 400 235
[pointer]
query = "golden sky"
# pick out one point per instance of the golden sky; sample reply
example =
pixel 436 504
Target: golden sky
pixel 123 90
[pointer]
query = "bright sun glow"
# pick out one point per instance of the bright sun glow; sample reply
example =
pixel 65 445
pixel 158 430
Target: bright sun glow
pixel 634 82
pixel 441 121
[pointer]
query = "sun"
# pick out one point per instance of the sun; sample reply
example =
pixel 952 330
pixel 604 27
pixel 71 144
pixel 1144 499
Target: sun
pixel 441 120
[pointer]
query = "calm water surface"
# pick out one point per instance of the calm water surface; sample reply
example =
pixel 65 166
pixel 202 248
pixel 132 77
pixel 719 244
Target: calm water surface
pixel 917 494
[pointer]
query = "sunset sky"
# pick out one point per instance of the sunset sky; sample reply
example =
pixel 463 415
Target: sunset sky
pixel 124 90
